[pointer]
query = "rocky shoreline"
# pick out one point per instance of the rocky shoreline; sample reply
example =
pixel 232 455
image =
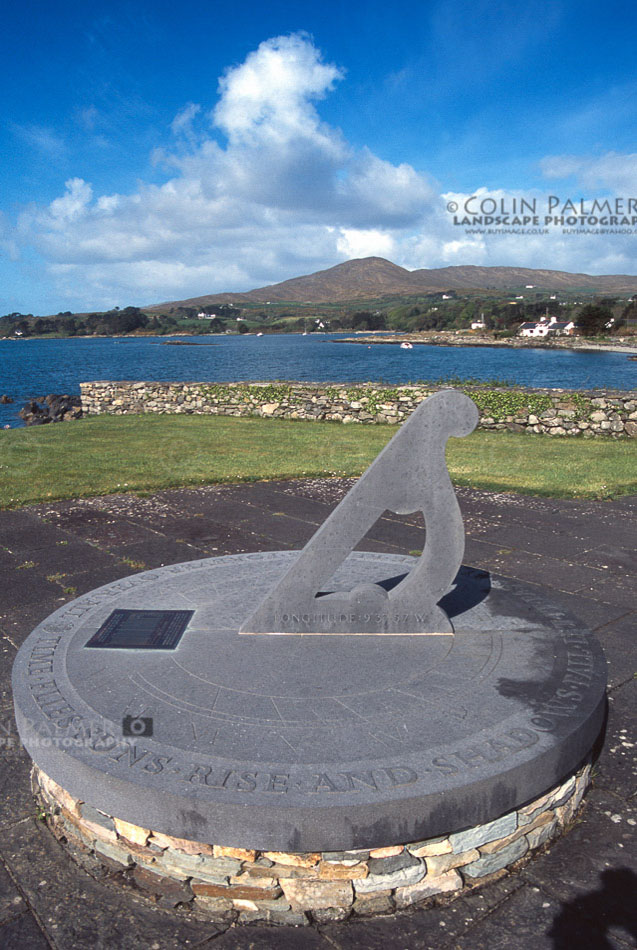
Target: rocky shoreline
pixel 462 339
pixel 51 408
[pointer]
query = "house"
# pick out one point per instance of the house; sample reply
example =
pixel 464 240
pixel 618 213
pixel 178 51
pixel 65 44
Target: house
pixel 543 328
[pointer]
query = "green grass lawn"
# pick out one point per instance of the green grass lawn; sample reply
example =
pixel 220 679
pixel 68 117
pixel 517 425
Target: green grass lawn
pixel 106 454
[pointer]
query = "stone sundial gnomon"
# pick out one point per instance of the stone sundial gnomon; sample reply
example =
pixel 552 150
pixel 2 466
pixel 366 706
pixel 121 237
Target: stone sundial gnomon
pixel 409 475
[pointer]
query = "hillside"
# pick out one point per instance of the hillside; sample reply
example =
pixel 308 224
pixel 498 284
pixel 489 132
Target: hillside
pixel 373 277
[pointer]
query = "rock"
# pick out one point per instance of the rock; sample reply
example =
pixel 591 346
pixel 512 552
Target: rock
pixel 489 863
pixel 329 915
pixel 440 864
pixel 539 836
pixel 218 907
pixel 330 871
pixel 293 860
pixel 431 885
pixel 160 886
pixel 51 408
pixel 394 862
pixel 131 832
pixel 242 854
pixel 181 844
pixel 430 848
pixel 5 400
pixel 389 852
pixel 392 879
pixel 205 889
pixel 315 895
pixel 107 850
pixel 211 870
pixel 367 905
pixel 474 837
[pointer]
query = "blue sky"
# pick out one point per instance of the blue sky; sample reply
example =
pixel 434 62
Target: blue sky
pixel 155 150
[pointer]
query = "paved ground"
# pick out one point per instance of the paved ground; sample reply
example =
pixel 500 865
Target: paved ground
pixel 580 894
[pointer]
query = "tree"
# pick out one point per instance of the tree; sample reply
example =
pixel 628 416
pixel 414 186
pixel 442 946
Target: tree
pixel 592 319
pixel 365 320
pixel 629 314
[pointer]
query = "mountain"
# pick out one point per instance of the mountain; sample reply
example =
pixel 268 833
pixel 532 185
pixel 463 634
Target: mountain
pixel 373 277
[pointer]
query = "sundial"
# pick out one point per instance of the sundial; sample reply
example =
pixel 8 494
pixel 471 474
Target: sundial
pixel 322 699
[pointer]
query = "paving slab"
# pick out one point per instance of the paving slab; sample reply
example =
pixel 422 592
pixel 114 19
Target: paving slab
pixel 23 931
pixel 16 798
pixel 11 901
pixel 18 622
pixel 534 919
pixel 611 556
pixel 264 938
pixel 617 762
pixel 25 585
pixel 277 496
pixel 618 641
pixel 155 552
pixel 596 844
pixel 7 656
pixel 74 585
pixel 611 590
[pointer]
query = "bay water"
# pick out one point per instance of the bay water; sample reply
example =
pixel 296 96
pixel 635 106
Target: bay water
pixel 34 368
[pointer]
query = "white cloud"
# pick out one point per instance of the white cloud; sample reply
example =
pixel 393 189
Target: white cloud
pixel 42 139
pixel 612 171
pixel 182 123
pixel 356 243
pixel 72 204
pixel 267 100
pixel 284 194
pixel 270 191
pixel 87 118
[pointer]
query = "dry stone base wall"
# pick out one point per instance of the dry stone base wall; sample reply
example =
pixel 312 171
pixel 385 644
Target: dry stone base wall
pixel 550 411
pixel 236 884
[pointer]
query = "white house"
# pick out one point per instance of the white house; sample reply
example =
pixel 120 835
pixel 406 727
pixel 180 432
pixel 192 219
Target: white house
pixel 543 328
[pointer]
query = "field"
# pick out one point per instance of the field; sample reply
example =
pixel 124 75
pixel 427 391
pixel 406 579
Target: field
pixel 145 453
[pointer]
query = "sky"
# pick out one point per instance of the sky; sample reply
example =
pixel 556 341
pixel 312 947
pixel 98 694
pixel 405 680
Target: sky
pixel 156 150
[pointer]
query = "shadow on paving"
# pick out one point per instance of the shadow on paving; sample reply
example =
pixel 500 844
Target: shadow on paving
pixel 579 893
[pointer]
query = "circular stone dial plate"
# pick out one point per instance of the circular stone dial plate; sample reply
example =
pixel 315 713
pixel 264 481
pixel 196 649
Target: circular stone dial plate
pixel 316 742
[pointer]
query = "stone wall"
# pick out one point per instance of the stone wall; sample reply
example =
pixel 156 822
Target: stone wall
pixel 242 885
pixel 551 411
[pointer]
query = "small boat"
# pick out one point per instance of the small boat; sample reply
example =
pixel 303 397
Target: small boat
pixel 406 346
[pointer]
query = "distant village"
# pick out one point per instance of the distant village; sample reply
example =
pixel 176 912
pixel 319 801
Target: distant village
pixel 542 328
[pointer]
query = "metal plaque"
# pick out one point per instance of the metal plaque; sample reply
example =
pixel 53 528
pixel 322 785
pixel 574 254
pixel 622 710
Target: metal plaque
pixel 141 630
